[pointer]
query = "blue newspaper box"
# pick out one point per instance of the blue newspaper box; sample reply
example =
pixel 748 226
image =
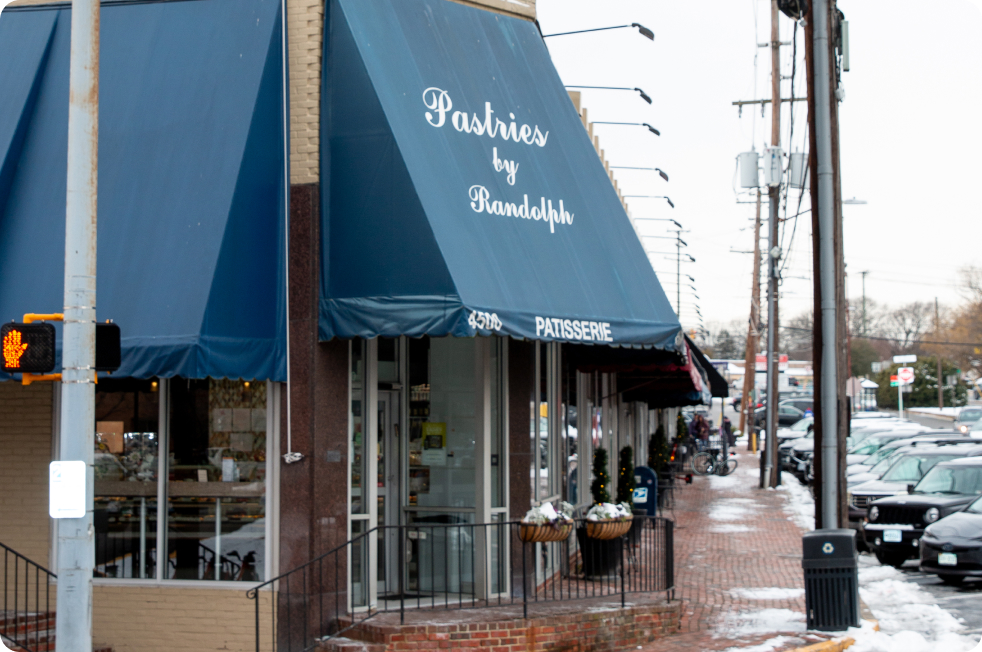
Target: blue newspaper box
pixel 645 490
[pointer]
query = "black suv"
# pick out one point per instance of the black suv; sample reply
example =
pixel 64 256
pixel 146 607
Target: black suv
pixel 895 525
pixel 789 411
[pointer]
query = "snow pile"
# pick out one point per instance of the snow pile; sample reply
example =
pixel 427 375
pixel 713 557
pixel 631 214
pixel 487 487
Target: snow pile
pixel 800 503
pixel 910 620
pixel 765 621
pixel 768 593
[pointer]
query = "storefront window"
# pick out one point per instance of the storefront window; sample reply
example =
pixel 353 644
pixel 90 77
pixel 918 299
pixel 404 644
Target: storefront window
pixel 216 471
pixel 358 460
pixel 126 449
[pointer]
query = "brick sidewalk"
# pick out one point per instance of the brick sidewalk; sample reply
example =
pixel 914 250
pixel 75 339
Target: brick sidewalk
pixel 731 535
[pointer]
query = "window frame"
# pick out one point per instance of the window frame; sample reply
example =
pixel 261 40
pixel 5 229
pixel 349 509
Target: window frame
pixel 274 394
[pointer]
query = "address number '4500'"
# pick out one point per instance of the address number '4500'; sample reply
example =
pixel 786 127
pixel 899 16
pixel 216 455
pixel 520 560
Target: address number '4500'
pixel 484 321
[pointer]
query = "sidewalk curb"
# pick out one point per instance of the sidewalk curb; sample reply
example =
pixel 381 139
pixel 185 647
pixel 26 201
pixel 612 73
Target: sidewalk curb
pixel 833 645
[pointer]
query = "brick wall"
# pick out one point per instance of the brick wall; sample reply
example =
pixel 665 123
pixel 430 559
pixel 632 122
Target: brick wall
pixel 25 448
pixel 587 631
pixel 145 619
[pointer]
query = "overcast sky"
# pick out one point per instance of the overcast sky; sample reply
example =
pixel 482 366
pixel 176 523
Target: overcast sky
pixel 910 129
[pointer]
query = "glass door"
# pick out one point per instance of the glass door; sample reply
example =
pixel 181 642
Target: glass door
pixel 389 490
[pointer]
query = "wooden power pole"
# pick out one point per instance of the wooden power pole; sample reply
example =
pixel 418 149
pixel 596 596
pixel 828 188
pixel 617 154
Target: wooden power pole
pixel 770 473
pixel 753 335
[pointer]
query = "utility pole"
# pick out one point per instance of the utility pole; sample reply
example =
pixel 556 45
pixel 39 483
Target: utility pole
pixel 770 473
pixel 678 274
pixel 76 543
pixel 753 333
pixel 937 330
pixel 827 428
pixel 864 301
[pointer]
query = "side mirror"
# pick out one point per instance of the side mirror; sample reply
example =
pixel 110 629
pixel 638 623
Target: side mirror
pixel 910 488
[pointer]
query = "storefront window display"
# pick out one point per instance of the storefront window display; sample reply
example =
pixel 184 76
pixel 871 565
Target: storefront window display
pixel 216 472
pixel 126 463
pixel 211 484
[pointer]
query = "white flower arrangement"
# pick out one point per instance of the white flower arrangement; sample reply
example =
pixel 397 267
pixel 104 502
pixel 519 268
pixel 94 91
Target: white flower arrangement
pixel 546 514
pixel 609 512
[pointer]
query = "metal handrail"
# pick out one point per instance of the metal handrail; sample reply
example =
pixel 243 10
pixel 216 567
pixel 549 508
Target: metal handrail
pixel 18 624
pixel 434 566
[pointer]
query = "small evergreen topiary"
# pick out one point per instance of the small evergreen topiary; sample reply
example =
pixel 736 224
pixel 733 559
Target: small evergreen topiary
pixel 600 487
pixel 658 450
pixel 625 476
pixel 681 430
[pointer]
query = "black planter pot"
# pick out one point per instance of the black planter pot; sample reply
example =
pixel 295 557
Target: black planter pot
pixel 600 557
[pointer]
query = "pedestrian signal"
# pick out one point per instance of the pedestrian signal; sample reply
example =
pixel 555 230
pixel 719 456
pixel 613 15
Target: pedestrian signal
pixel 107 353
pixel 28 348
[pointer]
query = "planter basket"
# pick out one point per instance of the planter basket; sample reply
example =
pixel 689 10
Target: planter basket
pixel 604 530
pixel 533 533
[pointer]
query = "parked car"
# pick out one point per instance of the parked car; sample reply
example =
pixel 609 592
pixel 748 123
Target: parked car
pixel 789 412
pixel 967 416
pixel 895 525
pixel 797 430
pixel 860 452
pixel 952 547
pixel 888 450
pixel 907 466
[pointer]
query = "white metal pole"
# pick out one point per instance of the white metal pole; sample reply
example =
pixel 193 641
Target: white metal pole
pixel 826 219
pixel 76 543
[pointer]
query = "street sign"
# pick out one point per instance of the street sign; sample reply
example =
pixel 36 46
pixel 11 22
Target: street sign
pixel 894 382
pixel 760 362
pixel 904 359
pixel 906 375
pixel 877 367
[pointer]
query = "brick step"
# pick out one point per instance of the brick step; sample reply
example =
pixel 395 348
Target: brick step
pixel 25 622
pixel 45 642
pixel 341 644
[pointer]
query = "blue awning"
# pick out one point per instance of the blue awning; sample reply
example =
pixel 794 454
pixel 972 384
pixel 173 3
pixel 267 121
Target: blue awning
pixel 461 193
pixel 191 181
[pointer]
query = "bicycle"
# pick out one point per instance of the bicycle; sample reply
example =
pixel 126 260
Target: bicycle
pixel 715 460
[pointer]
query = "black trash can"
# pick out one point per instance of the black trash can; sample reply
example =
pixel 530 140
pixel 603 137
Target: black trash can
pixel 831 579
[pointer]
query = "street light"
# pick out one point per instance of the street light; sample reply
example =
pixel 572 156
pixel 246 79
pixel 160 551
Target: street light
pixel 633 124
pixel 644 31
pixel 651 197
pixel 658 219
pixel 660 172
pixel 644 96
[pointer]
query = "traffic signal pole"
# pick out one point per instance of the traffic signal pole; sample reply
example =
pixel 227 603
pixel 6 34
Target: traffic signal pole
pixel 76 541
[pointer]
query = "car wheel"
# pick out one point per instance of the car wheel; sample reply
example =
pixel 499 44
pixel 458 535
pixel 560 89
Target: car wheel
pixel 951 580
pixel 891 558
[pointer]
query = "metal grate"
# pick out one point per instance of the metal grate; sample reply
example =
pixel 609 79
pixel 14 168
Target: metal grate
pixel 901 514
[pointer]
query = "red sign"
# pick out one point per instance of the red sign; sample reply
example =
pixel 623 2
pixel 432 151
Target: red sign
pixel 760 362
pixel 906 375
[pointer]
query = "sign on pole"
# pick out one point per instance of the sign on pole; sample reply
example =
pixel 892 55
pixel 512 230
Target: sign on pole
pixel 894 382
pixel 906 375
pixel 904 359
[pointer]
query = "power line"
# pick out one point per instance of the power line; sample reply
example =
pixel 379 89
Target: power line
pixel 895 339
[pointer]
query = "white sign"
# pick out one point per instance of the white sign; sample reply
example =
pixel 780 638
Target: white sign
pixel 904 359
pixel 66 489
pixel 905 375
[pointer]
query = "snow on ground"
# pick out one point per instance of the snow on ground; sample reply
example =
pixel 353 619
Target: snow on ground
pixel 768 593
pixel 764 621
pixel 731 509
pixel 938 412
pixel 767 646
pixel 730 528
pixel 800 503
pixel 910 618
pixel 723 482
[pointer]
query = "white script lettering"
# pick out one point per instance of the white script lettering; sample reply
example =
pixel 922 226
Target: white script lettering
pixel 573 329
pixel 439 104
pixel 481 203
pixel 510 167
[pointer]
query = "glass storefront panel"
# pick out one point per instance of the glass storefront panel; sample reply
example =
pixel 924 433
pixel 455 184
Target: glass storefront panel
pixel 440 553
pixel 216 472
pixel 125 470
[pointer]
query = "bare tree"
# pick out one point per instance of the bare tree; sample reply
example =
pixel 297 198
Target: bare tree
pixel 797 336
pixel 907 323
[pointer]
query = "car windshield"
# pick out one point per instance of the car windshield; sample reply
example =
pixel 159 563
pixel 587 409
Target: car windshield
pixel 884 465
pixel 970 414
pixel 868 446
pixel 976 507
pixel 951 480
pixel 881 455
pixel 802 424
pixel 977 426
pixel 912 468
